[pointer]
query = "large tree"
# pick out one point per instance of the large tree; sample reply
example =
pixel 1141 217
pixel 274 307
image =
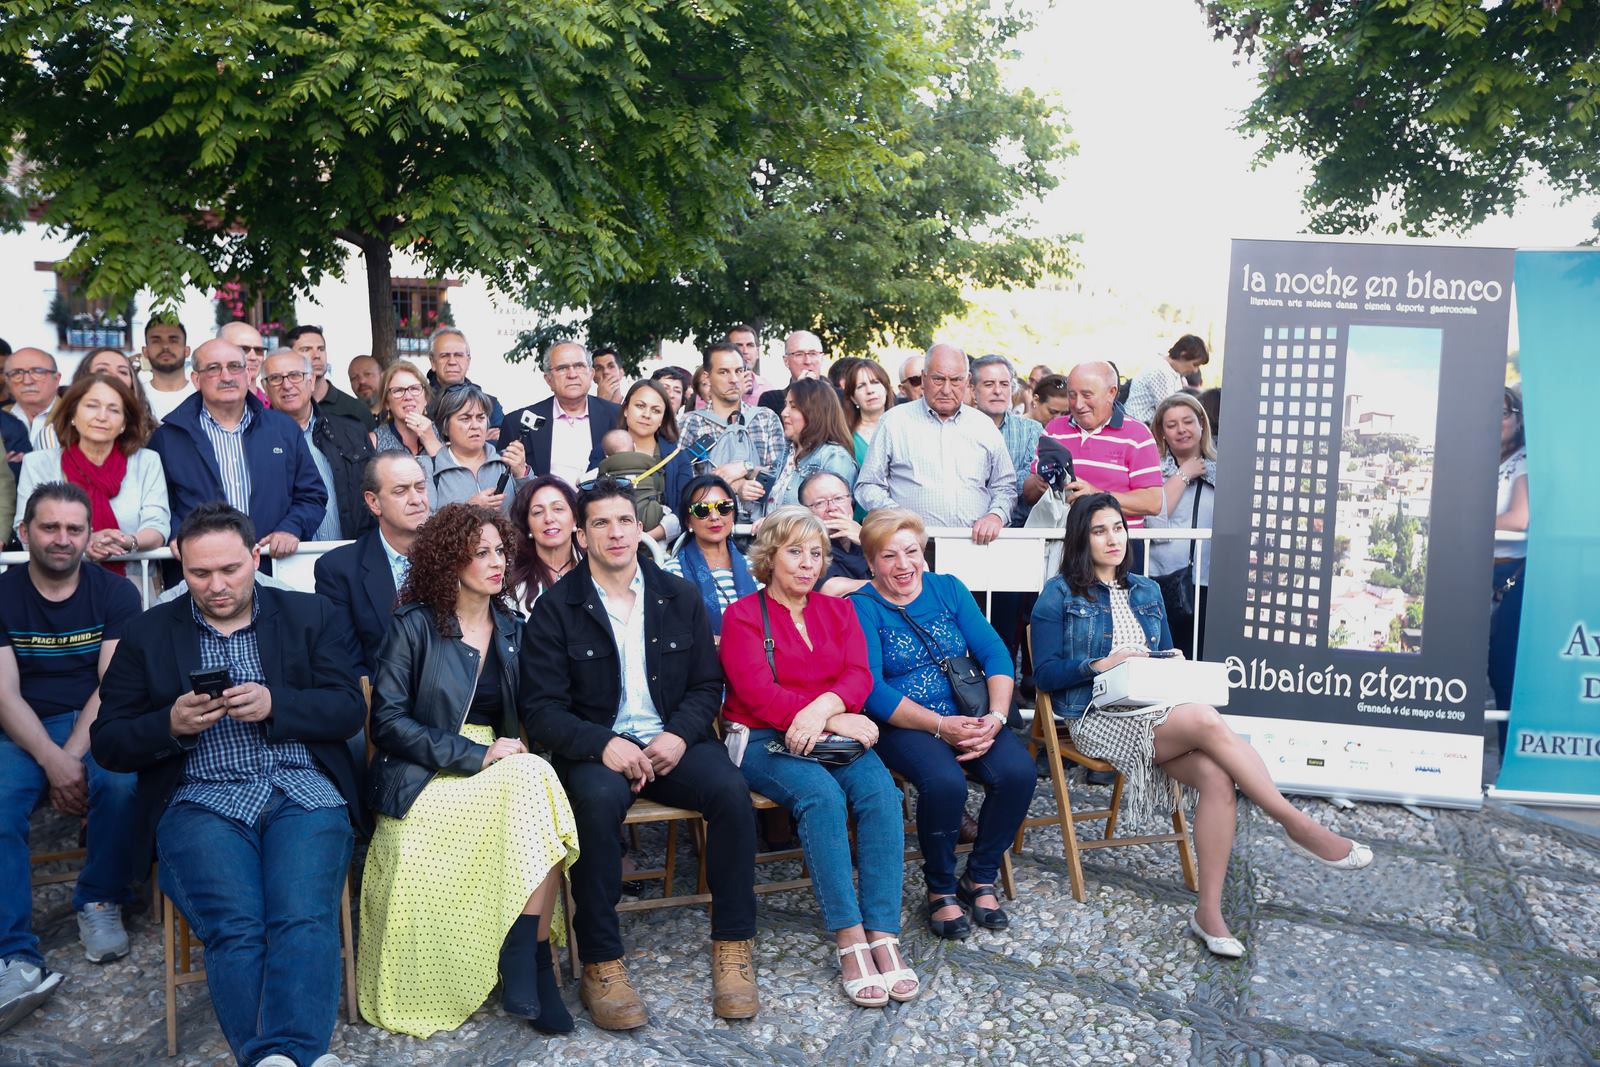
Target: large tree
pixel 1423 115
pixel 190 142
pixel 864 261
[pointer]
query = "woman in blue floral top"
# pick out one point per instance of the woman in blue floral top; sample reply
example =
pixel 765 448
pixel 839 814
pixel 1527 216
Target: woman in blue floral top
pixel 913 619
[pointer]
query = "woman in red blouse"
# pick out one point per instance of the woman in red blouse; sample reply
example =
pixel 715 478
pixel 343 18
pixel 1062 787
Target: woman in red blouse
pixel 815 685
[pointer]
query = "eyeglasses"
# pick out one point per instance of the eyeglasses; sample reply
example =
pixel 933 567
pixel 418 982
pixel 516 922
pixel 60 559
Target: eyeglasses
pixel 20 373
pixel 806 353
pixel 405 390
pixel 701 509
pixel 827 502
pixel 293 377
pixel 915 379
pixel 258 350
pixel 211 370
pixel 1510 413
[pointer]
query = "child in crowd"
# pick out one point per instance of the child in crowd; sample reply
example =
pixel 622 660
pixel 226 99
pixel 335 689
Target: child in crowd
pixel 622 461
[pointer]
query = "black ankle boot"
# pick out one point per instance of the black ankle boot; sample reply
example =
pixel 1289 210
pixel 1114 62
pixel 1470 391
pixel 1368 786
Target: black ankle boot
pixel 519 969
pixel 553 1017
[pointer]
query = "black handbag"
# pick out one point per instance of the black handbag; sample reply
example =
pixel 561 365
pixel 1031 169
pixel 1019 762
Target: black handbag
pixel 1177 588
pixel 830 750
pixel 968 684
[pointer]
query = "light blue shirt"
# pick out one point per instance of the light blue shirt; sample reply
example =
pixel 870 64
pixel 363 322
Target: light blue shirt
pixel 638 715
pixel 328 529
pixel 228 446
pixel 399 564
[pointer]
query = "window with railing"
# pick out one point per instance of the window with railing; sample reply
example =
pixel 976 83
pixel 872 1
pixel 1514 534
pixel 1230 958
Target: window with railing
pixel 272 314
pixel 420 306
pixel 84 322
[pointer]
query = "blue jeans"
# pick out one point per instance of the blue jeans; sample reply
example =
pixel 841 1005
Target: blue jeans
pixel 107 875
pixel 265 900
pixel 821 800
pixel 1007 774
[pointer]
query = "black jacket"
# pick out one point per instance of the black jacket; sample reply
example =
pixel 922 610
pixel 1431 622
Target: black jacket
pixel 309 658
pixel 338 402
pixel 358 580
pixel 604 416
pixel 419 702
pixel 572 676
pixel 343 442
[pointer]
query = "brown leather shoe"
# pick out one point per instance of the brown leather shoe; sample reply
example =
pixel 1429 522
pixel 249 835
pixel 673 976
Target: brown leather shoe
pixel 612 1001
pixel 733 980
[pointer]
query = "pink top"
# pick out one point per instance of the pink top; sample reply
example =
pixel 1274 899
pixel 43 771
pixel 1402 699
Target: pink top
pixel 1119 456
pixel 836 660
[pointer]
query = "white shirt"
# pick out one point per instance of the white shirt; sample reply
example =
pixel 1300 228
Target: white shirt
pixel 638 715
pixel 570 444
pixel 163 404
pixel 40 433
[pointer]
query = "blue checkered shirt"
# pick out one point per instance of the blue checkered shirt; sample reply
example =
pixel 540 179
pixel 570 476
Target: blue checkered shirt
pixel 1021 435
pixel 234 768
pixel 228 446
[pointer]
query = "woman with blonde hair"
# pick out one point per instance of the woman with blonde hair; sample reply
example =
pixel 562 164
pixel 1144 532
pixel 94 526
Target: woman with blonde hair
pixel 404 398
pixel 1188 493
pixel 797 676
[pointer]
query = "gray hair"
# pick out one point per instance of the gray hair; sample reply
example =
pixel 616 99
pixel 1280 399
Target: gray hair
pixel 456 398
pixel 544 360
pixel 993 361
pixel 448 331
pixel 289 352
pixel 818 476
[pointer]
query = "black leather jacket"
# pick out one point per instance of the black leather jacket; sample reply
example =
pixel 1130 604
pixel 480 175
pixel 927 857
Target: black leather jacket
pixel 420 695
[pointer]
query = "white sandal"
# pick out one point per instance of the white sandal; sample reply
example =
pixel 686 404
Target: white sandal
pixel 854 986
pixel 901 972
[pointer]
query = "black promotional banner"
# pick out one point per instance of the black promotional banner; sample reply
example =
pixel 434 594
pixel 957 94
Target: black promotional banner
pixel 1353 537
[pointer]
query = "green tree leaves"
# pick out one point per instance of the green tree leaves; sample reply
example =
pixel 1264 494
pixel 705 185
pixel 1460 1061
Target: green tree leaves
pixel 1423 115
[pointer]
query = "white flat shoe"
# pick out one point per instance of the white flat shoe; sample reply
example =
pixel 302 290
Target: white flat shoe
pixel 854 986
pixel 900 973
pixel 1226 947
pixel 1358 857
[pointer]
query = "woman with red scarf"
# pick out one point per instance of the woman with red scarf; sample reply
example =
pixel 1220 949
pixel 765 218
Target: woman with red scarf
pixel 102 427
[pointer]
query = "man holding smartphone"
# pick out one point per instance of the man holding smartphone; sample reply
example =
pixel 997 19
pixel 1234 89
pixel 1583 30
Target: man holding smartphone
pixel 59 624
pixel 233 704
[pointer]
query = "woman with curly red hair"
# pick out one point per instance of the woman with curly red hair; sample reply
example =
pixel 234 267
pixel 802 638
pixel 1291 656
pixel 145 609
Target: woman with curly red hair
pixel 472 830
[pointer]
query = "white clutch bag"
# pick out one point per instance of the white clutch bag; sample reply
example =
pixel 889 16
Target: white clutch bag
pixel 1143 681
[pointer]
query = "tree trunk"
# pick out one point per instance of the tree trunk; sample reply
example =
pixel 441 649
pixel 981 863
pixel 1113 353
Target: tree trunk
pixel 380 302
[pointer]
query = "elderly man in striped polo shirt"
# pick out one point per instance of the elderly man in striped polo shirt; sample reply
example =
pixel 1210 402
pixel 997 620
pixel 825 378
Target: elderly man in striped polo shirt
pixel 1111 453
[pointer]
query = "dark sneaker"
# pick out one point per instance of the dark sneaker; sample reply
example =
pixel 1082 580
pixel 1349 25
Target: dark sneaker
pixel 23 987
pixel 100 930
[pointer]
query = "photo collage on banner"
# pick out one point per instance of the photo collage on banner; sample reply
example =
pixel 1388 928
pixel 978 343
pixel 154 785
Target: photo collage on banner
pixel 1361 395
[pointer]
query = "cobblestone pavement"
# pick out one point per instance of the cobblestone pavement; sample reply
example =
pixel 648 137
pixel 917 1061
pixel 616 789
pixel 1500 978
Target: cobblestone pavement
pixel 1474 939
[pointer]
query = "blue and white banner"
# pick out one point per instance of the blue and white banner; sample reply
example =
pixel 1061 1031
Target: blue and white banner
pixel 1553 743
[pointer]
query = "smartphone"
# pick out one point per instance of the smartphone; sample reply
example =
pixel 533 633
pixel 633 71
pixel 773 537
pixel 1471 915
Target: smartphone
pixel 1164 653
pixel 505 476
pixel 766 479
pixel 210 683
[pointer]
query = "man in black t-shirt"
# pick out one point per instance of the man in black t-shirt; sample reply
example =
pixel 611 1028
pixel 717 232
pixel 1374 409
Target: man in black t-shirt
pixel 59 624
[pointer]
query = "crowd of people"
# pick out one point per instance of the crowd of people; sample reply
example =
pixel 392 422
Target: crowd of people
pixel 532 671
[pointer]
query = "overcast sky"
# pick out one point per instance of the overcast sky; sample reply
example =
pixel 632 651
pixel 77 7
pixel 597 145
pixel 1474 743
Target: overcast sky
pixel 1161 181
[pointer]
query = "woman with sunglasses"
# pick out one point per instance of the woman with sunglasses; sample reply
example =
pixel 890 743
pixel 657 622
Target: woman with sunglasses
pixel 707 557
pixel 468 470
pixel 404 399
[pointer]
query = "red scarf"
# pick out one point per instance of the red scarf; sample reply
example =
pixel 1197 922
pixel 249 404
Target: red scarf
pixel 101 482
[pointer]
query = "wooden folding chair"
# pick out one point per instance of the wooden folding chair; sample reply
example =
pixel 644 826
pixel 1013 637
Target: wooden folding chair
pixel 178 943
pixel 1058 747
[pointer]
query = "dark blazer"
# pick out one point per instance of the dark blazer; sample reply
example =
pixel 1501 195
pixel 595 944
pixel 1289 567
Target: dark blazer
pixel 15 434
pixel 572 676
pixel 309 657
pixel 286 492
pixel 357 579
pixel 339 402
pixel 343 442
pixel 604 416
pixel 419 701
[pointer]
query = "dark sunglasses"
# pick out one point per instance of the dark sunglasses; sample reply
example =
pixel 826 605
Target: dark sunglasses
pixel 621 480
pixel 915 379
pixel 700 509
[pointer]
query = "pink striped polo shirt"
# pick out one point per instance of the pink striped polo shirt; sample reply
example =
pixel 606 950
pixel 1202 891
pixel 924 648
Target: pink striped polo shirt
pixel 1119 456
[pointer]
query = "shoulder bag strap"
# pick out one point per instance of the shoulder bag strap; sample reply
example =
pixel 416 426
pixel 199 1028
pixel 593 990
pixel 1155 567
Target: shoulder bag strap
pixel 1194 519
pixel 766 636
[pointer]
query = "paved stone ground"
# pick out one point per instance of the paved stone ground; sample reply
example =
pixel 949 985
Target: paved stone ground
pixel 1474 939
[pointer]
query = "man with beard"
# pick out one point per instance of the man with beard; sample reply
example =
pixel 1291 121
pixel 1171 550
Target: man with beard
pixel 60 623
pixel 166 353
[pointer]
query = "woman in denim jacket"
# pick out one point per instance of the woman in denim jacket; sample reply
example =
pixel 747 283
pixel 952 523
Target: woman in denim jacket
pixel 1091 617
